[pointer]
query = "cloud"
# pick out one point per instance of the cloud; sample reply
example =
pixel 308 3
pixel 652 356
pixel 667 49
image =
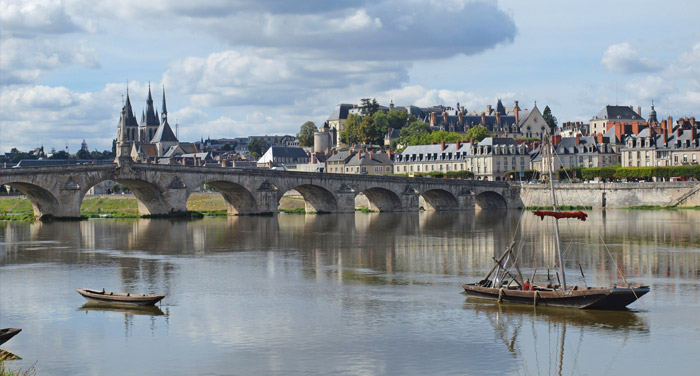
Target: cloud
pixel 622 58
pixel 262 77
pixel 24 61
pixel 26 19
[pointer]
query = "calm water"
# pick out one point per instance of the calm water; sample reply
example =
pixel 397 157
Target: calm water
pixel 357 294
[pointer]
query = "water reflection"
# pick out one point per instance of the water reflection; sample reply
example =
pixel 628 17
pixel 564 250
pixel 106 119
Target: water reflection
pixel 559 341
pixel 135 310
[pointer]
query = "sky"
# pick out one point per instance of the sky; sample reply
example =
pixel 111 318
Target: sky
pixel 233 68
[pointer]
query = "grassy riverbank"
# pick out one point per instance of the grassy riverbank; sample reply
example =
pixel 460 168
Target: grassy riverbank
pixel 126 206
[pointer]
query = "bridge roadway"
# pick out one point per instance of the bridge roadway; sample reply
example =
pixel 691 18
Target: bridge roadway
pixel 58 191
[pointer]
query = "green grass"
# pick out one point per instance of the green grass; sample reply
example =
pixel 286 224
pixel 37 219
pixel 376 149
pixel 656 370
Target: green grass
pixel 366 210
pixel 4 371
pixel 658 207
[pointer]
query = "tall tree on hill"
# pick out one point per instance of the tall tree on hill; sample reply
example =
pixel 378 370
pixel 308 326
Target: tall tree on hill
pixel 350 133
pixel 306 134
pixel 478 133
pixel 550 119
pixel 257 147
pixel 398 119
pixel 368 106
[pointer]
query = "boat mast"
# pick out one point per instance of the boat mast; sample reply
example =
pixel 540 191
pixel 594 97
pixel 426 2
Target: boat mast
pixel 550 167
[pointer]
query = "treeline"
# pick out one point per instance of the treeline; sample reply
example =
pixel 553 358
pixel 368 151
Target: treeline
pixel 617 172
pixel 371 125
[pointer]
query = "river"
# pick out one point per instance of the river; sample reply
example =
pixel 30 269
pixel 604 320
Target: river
pixel 347 294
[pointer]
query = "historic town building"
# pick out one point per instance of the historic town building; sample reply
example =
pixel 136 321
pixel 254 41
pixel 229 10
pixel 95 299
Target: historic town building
pixel 154 140
pixel 663 146
pixel 489 159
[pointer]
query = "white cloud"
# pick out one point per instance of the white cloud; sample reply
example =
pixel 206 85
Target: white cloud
pixel 27 60
pixel 27 18
pixel 622 58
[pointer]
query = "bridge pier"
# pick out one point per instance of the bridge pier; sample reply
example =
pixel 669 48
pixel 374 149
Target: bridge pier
pixel 467 201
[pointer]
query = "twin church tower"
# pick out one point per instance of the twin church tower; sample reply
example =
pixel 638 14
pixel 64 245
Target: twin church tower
pixel 154 133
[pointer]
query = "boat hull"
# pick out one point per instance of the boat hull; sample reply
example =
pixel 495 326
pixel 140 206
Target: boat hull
pixel 7 333
pixel 119 298
pixel 612 298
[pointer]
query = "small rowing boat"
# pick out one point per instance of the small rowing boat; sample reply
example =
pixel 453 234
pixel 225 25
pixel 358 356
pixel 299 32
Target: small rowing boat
pixel 119 298
pixel 7 333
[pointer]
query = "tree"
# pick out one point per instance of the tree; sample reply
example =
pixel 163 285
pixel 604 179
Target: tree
pixel 368 107
pixel 83 153
pixel 411 134
pixel 397 119
pixel 550 119
pixel 306 134
pixel 478 133
pixel 350 133
pixel 257 147
pixel 61 154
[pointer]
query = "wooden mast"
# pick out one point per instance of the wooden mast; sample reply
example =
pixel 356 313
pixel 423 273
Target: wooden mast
pixel 550 167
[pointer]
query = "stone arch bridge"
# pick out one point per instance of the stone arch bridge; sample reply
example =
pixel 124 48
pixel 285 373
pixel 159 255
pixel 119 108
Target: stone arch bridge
pixel 58 191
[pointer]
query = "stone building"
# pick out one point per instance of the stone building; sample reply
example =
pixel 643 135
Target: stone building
pixel 611 115
pixel 150 141
pixel 578 151
pixel 663 146
pixel 489 159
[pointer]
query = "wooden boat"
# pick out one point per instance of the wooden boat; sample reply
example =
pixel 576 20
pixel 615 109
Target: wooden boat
pixel 119 298
pixel 510 286
pixel 7 333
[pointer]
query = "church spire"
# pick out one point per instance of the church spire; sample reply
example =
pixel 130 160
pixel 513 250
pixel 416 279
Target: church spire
pixel 164 110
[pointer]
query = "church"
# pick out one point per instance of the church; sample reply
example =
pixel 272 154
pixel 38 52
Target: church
pixel 153 141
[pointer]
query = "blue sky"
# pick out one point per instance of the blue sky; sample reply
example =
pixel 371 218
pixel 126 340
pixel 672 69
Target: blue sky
pixel 237 68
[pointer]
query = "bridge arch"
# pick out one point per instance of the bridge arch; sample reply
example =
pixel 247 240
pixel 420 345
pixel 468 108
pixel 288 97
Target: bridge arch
pixel 382 199
pixel 152 199
pixel 317 199
pixel 43 201
pixel 491 200
pixel 439 200
pixel 239 200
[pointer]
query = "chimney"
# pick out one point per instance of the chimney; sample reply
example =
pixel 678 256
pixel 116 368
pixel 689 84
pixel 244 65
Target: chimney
pixel 488 109
pixel 665 136
pixel 679 131
pixel 639 111
pixel 578 139
pixel 669 124
pixel 693 133
pixel 223 162
pixel 471 142
pixel 459 144
pixel 313 158
pixel 600 138
pixel 556 138
pixel 635 127
pixel 461 119
pixel 388 153
pixel 692 121
pixel 483 119
pixel 433 119
pixel 631 108
pixel 516 110
pixel 498 117
pixel 608 124
pixel 619 130
pixel 444 117
pixel 442 146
